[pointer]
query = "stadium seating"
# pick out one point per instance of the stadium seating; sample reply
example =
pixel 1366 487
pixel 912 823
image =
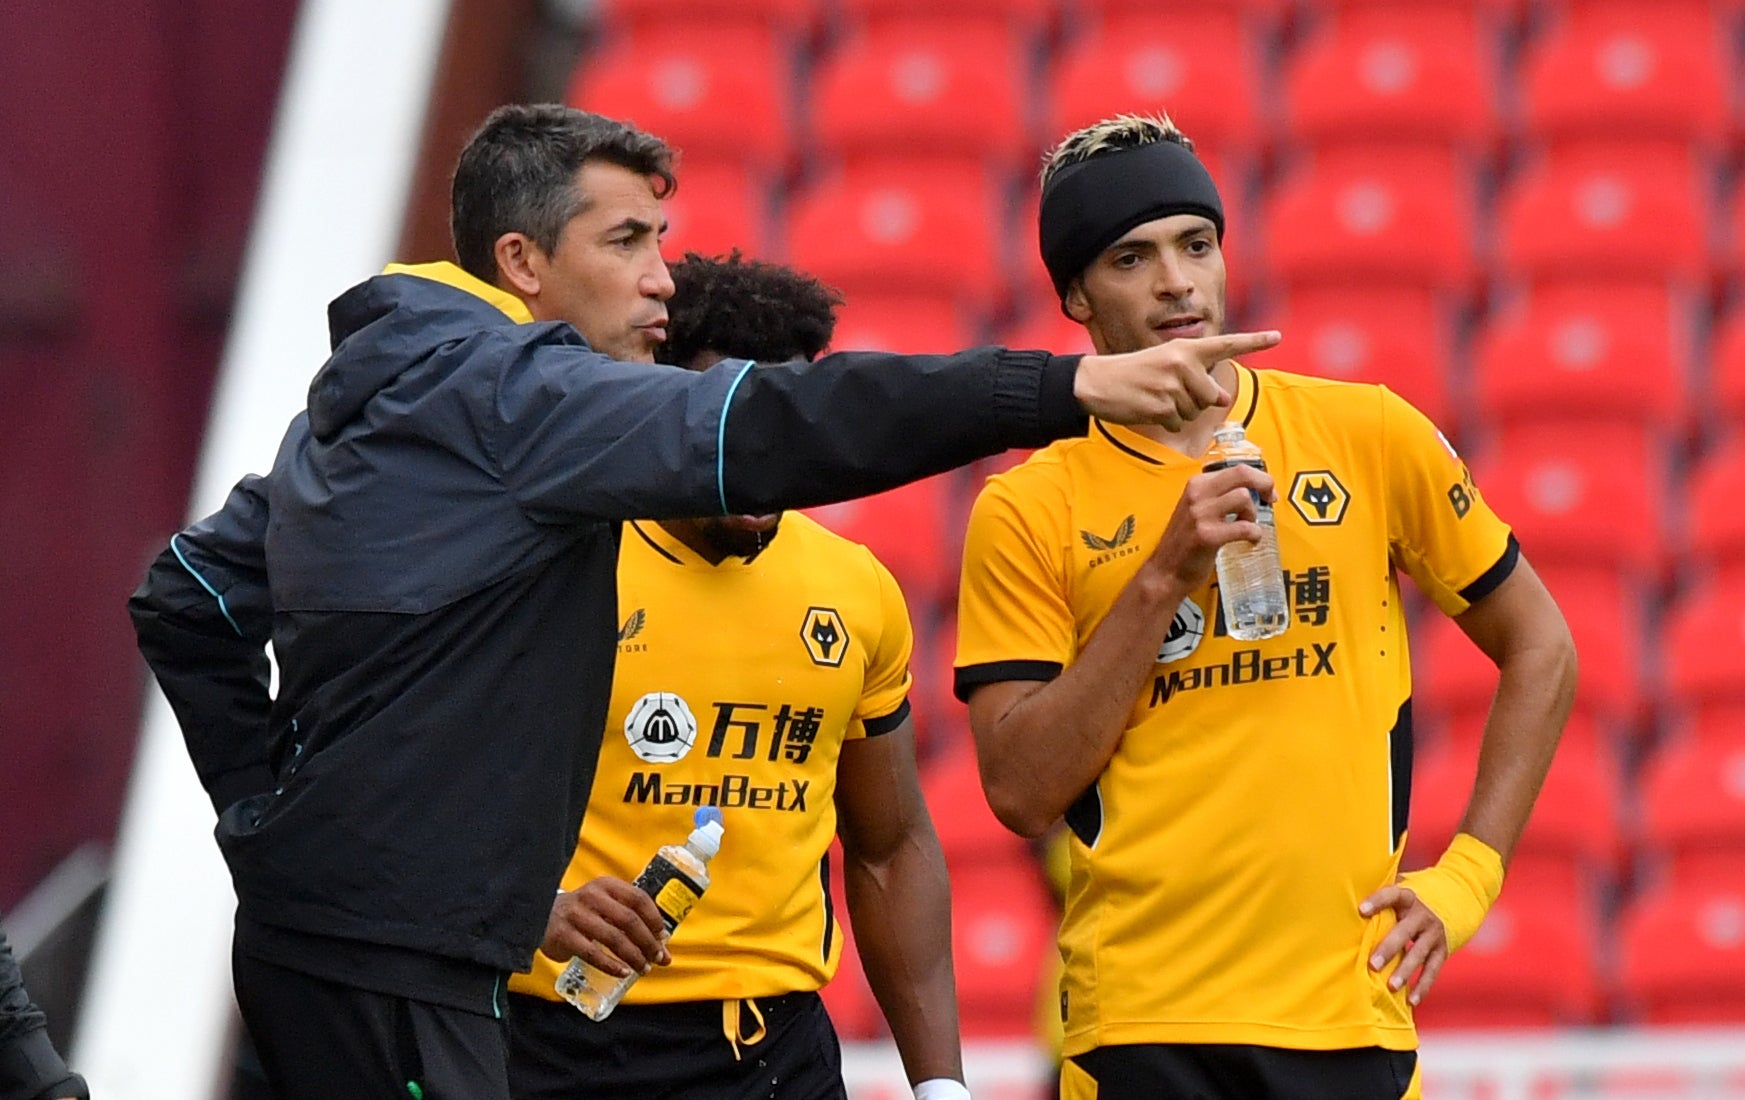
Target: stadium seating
pixel 1001 922
pixel 1580 497
pixel 1533 963
pixel 1381 333
pixel 1412 77
pixel 1713 521
pixel 719 206
pixel 916 90
pixel 1607 71
pixel 1573 350
pixel 1584 209
pixel 906 323
pixel 1704 648
pixel 1575 821
pixel 1453 678
pixel 968 830
pixel 1365 217
pixel 1726 387
pixel 716 91
pixel 1046 327
pixel 1693 800
pixel 1682 955
pixel 640 18
pixel 1207 81
pixel 1016 15
pixel 900 228
pixel 905 529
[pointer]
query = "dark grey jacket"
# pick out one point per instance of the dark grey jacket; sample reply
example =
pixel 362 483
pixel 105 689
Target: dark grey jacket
pixel 433 557
pixel 30 1069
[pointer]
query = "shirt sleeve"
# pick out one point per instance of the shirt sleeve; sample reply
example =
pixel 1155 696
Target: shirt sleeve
pixel 884 700
pixel 202 618
pixel 1013 618
pixel 1440 529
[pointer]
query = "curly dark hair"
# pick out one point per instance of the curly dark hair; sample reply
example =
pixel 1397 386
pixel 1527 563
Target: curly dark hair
pixel 746 309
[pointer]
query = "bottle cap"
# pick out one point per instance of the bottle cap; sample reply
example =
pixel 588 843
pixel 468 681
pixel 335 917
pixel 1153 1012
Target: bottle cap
pixel 706 814
pixel 705 839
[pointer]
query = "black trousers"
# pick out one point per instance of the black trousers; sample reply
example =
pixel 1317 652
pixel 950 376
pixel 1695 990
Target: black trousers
pixel 322 1040
pixel 674 1050
pixel 1216 1071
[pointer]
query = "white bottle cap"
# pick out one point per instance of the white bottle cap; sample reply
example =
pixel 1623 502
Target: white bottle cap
pixel 705 839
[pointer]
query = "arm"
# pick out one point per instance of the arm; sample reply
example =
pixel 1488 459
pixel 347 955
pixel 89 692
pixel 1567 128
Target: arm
pixel 899 899
pixel 30 1068
pixel 1041 745
pixel 1519 627
pixel 576 434
pixel 203 616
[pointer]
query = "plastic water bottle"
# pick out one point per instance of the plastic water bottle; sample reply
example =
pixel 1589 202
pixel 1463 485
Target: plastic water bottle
pixel 675 878
pixel 1250 579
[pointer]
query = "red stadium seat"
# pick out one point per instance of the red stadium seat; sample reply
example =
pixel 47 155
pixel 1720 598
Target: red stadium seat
pixel 1047 328
pixel 1453 677
pixel 1693 799
pixel 1714 524
pixel 1682 955
pixel 719 206
pixel 911 90
pixel 641 18
pixel 719 92
pixel 909 324
pixel 1368 217
pixel 900 228
pixel 905 529
pixel 1576 351
pixel 1207 81
pixel 1574 822
pixel 1010 15
pixel 1531 964
pixel 1613 72
pixel 1001 922
pixel 1398 336
pixel 1726 389
pixel 1704 648
pixel 968 830
pixel 1381 76
pixel 1576 214
pixel 1576 497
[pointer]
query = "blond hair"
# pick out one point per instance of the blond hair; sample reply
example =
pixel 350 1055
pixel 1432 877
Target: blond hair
pixel 1120 132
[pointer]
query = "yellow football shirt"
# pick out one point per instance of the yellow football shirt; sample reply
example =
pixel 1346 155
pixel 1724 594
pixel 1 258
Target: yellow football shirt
pixel 1260 789
pixel 736 685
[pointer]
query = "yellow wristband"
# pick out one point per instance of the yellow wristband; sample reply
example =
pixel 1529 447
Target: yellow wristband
pixel 1461 888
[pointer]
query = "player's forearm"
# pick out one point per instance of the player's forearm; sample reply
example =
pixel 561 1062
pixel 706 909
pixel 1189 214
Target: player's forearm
pixel 1534 694
pixel 1045 751
pixel 900 908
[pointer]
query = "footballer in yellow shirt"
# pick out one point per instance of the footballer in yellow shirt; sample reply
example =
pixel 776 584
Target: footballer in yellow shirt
pixel 763 668
pixel 1236 924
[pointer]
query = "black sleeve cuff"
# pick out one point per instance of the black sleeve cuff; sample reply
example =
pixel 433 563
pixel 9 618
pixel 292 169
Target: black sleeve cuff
pixel 1033 398
pixel 1493 577
pixel 31 1067
pixel 970 677
pixel 878 727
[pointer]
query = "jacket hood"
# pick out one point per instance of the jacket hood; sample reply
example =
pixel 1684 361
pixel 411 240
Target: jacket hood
pixel 386 326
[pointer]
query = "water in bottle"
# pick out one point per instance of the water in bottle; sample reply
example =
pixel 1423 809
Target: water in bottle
pixel 675 878
pixel 1250 579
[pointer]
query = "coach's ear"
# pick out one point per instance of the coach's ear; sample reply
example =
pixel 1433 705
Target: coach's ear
pixel 520 264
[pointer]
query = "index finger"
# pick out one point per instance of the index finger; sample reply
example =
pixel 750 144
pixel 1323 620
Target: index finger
pixel 1211 349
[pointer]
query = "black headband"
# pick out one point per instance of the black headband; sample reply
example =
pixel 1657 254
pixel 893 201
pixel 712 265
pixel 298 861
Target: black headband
pixel 1087 206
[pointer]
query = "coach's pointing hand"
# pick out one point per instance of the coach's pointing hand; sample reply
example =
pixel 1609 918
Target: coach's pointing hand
pixel 608 923
pixel 1167 385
